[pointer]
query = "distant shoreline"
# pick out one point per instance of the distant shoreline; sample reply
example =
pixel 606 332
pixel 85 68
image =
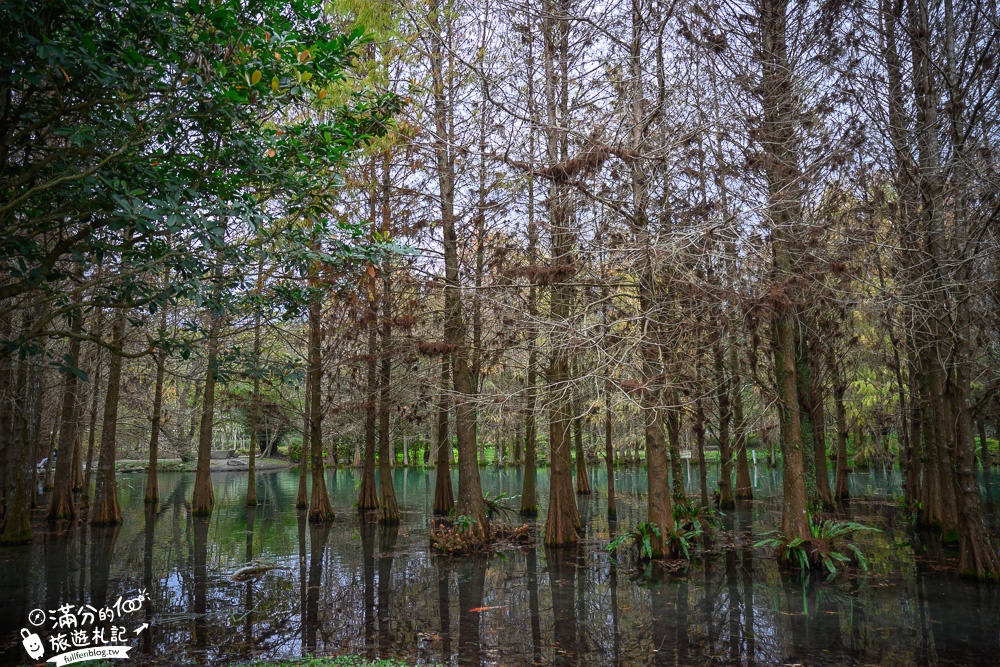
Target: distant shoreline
pixel 241 463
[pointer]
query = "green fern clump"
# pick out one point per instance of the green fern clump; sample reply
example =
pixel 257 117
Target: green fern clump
pixel 824 549
pixel 640 537
pixel 635 546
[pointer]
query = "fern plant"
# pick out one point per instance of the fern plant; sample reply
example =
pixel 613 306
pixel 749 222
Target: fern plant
pixel 496 505
pixel 691 517
pixel 641 536
pixel 637 544
pixel 825 547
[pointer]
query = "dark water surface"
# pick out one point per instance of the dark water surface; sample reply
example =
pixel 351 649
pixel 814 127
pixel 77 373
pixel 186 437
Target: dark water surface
pixel 349 586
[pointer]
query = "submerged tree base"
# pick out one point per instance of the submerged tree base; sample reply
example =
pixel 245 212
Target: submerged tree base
pixel 454 540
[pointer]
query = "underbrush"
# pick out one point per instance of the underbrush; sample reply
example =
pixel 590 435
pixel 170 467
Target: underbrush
pixel 460 535
pixel 457 539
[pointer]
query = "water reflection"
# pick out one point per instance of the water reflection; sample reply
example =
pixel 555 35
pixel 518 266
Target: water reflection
pixel 354 585
pixel 562 585
pixel 387 543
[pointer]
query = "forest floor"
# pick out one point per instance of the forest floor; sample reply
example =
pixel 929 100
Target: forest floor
pixel 218 465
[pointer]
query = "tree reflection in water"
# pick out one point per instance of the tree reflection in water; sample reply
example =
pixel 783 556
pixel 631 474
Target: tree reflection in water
pixel 319 533
pixel 367 531
pixel 562 584
pixel 200 568
pixel 381 592
pixel 471 583
pixel 388 535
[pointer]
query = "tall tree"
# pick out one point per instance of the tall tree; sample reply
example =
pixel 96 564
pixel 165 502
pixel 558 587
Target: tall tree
pixel 470 492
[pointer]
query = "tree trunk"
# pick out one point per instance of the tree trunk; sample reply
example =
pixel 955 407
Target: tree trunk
pixel 77 473
pixel 978 556
pixel 470 492
pixel 17 520
pixel 674 443
pixel 582 478
pixel 61 503
pixel 193 428
pixel 819 444
pixel 51 452
pixel 388 512
pixel 203 498
pixel 803 377
pixel 302 497
pixel 984 450
pixel 744 486
pixel 251 500
pixel 841 490
pixel 609 455
pixel 784 208
pixel 105 510
pixel 722 398
pixel 563 519
pixel 152 485
pixel 529 501
pixel 699 436
pixel 95 395
pixel 941 445
pixel 320 508
pixel 367 495
pixel 444 498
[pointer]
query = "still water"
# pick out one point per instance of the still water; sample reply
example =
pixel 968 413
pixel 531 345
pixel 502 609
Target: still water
pixel 352 586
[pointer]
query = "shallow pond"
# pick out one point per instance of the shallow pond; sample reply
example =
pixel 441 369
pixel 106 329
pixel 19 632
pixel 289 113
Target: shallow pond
pixel 349 586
